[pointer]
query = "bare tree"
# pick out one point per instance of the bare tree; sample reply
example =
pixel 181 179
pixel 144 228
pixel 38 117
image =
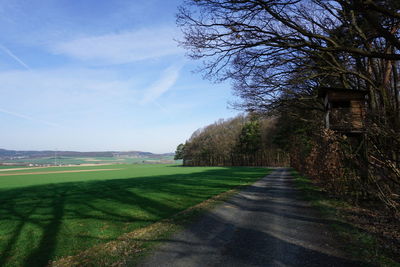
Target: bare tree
pixel 236 141
pixel 270 47
pixel 278 52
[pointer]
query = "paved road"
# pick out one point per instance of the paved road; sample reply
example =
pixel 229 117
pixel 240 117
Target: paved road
pixel 267 224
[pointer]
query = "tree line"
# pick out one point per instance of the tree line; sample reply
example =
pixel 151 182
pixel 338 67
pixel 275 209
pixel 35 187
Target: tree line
pixel 279 53
pixel 239 141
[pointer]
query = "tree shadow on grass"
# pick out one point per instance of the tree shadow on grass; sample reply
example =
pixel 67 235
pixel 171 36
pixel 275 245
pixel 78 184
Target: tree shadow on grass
pixel 49 237
pixel 39 221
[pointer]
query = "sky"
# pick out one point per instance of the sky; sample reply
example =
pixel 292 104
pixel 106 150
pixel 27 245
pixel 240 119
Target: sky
pixel 96 75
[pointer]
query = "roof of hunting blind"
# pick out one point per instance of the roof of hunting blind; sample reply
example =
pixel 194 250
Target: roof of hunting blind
pixel 341 93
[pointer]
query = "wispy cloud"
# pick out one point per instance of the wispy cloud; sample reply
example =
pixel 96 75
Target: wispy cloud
pixel 162 85
pixel 12 55
pixel 50 94
pixel 122 47
pixel 26 117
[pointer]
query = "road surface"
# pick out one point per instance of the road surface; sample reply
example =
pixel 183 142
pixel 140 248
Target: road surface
pixel 266 224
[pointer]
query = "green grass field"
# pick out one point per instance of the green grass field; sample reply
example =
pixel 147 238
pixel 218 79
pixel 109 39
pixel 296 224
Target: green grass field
pixel 47 216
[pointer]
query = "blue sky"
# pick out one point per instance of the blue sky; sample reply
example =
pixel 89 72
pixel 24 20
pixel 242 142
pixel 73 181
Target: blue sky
pixel 96 75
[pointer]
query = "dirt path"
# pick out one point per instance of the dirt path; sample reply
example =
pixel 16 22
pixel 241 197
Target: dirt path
pixel 48 172
pixel 267 224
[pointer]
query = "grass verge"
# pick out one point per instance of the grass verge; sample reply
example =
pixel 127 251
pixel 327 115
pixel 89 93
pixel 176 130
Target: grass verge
pixel 361 244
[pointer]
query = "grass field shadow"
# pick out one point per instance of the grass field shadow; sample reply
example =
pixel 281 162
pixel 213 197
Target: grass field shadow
pixel 41 223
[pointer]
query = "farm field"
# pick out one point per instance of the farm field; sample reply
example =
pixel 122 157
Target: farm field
pixel 90 160
pixel 11 167
pixel 46 215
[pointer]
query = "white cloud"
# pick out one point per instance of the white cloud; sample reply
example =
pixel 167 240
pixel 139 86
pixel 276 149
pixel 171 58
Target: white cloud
pixel 162 85
pixel 48 92
pixel 122 47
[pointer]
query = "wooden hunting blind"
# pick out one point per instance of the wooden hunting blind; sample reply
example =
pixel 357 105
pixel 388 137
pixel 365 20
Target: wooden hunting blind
pixel 344 109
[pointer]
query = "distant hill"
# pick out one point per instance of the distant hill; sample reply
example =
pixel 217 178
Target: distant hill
pixel 9 154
